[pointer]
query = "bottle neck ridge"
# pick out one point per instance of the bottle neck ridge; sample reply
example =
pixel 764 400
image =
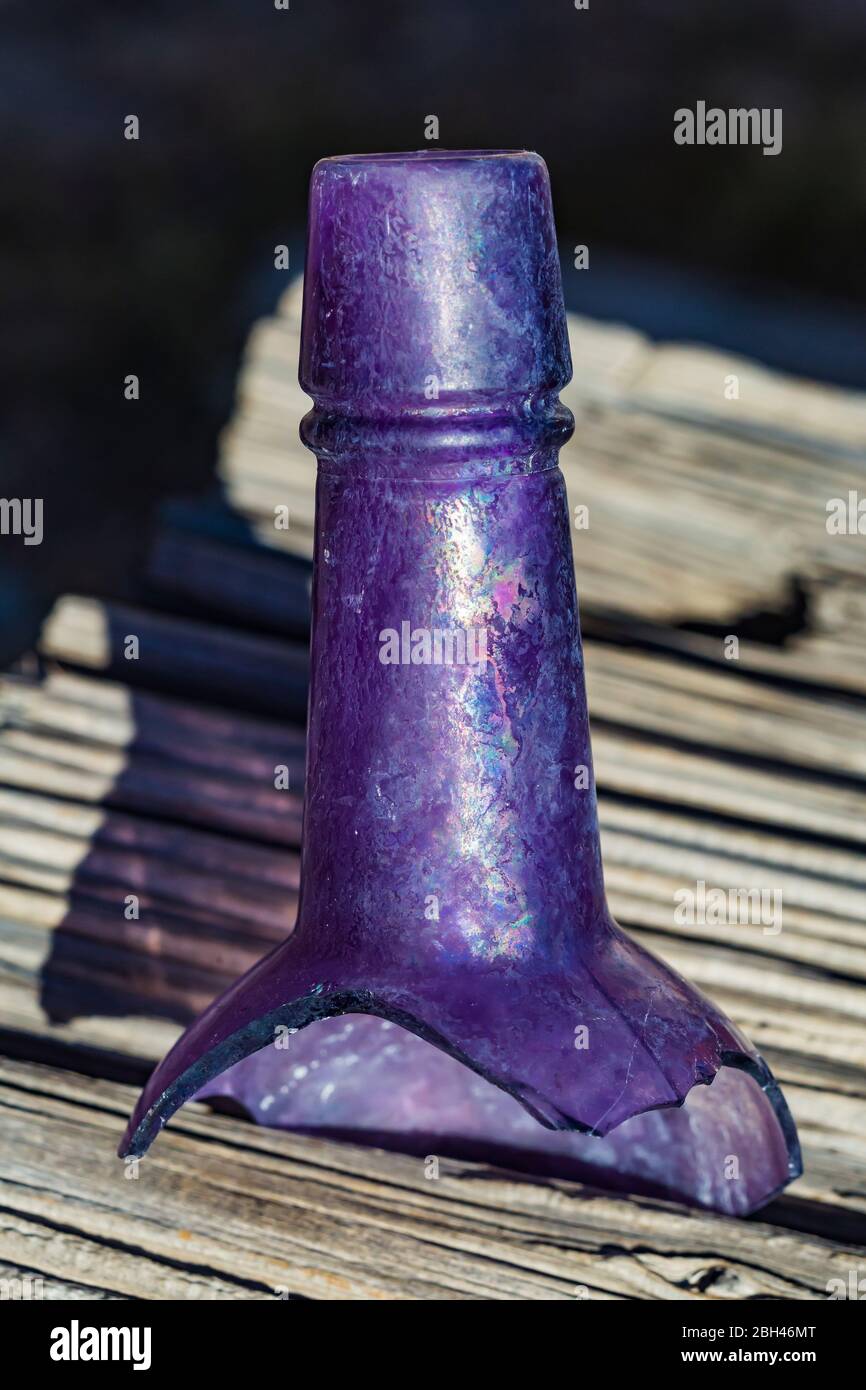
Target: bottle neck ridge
pixel 455 439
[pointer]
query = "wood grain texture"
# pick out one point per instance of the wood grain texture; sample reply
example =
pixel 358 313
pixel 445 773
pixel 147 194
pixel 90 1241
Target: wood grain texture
pixel 222 1211
pixel 701 507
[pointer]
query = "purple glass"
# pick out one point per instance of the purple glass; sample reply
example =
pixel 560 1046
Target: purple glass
pixel 451 875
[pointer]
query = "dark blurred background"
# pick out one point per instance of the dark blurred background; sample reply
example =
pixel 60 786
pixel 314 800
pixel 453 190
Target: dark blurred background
pixel 155 256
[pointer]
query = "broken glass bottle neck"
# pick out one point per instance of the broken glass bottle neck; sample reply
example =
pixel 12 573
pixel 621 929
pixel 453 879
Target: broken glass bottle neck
pixel 448 609
pixel 434 348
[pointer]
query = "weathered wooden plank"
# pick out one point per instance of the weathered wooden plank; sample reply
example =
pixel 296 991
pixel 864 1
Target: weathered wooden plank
pixel 814 894
pixel 242 583
pixel 725 709
pixel 261 1211
pixel 109 712
pixel 199 849
pixel 696 501
pixel 21 1284
pixel 65 864
pixel 688 382
pixel 813 921
pixel 656 771
pixel 103 715
pixel 120 1038
pixel 718 707
pixel 208 662
pixel 248 806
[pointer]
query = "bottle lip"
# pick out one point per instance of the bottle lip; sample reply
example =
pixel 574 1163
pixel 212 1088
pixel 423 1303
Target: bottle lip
pixel 433 270
pixel 433 155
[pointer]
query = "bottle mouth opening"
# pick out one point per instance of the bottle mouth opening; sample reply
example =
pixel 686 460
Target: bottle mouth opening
pixel 390 1088
pixel 651 1144
pixel 433 155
